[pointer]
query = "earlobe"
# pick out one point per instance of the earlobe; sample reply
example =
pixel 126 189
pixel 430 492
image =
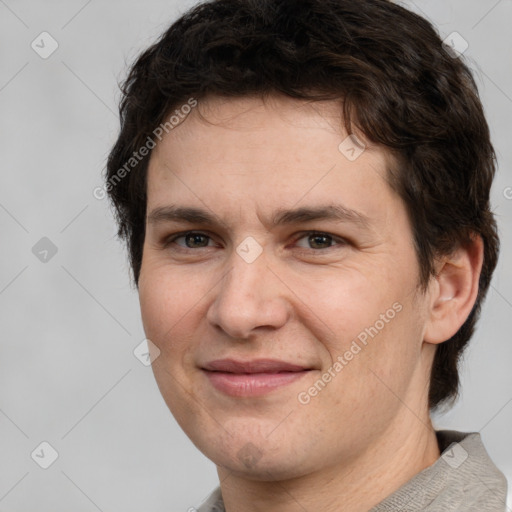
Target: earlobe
pixel 454 291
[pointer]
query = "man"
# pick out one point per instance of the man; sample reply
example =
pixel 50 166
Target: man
pixel 303 186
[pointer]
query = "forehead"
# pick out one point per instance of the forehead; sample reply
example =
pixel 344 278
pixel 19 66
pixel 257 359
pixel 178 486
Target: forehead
pixel 249 151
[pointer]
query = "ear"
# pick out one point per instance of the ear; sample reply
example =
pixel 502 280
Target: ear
pixel 454 291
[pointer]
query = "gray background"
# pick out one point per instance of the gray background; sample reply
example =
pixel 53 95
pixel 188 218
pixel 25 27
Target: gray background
pixel 69 325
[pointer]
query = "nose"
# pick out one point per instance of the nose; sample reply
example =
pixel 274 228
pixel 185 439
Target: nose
pixel 249 297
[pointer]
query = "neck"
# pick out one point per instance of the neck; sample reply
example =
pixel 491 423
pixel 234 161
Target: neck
pixel 356 486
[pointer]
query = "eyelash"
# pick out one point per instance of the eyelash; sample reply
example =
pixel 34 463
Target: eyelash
pixel 340 241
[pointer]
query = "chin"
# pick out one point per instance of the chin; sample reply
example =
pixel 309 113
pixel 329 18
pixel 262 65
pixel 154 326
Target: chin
pixel 257 458
pixel 264 469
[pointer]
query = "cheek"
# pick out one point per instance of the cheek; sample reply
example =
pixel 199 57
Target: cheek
pixel 170 312
pixel 373 323
pixel 345 303
pixel 167 302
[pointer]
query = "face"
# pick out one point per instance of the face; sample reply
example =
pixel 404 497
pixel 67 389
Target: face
pixel 279 282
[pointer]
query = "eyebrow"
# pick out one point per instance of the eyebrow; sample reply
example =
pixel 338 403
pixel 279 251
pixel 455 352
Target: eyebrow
pixel 332 212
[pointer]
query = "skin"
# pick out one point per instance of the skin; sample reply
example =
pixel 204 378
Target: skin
pixel 303 301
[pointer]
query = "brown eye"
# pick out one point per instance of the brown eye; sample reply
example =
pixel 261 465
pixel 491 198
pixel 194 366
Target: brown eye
pixel 320 241
pixel 317 240
pixel 193 240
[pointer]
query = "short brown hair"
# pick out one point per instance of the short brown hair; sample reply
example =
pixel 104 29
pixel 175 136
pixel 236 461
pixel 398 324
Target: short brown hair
pixel 399 85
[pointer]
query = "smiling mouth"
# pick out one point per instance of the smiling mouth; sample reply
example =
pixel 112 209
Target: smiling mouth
pixel 252 378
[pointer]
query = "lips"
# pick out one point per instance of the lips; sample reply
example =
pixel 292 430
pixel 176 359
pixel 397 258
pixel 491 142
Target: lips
pixel 252 378
pixel 255 366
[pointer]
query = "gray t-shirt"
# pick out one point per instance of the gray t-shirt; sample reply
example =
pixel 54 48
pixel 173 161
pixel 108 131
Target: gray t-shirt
pixel 463 479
